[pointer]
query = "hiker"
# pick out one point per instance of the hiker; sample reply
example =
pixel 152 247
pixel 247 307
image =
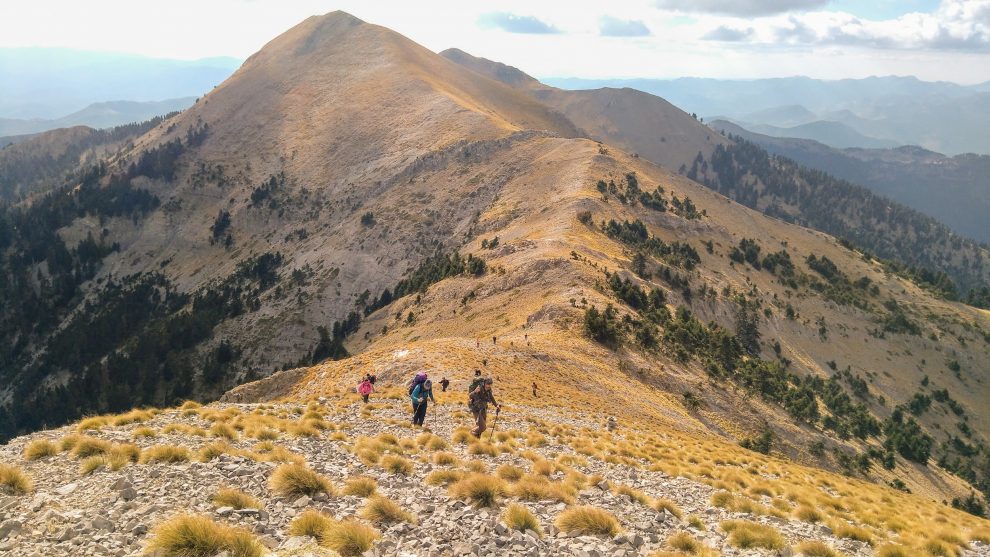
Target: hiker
pixel 420 394
pixel 372 378
pixel 444 383
pixel 534 389
pixel 366 388
pixel 478 380
pixel 494 339
pixel 478 401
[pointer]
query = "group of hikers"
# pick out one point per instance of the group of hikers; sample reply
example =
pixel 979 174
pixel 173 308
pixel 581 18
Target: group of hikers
pixel 480 395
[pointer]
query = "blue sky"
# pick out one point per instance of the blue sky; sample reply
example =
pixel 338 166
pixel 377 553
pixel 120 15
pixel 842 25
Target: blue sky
pixel 932 39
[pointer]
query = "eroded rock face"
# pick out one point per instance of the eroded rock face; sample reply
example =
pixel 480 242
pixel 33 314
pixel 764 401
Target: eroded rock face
pixel 115 512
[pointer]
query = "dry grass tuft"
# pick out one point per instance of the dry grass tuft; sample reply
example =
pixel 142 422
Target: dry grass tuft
pixel 445 459
pixel 230 497
pixel 382 510
pixel 518 517
pixel 84 446
pixel 311 523
pixel 14 481
pixel 199 536
pixel 748 535
pixel 294 480
pixel 808 514
pixel 214 450
pixel 816 549
pixel 667 505
pixel 144 432
pixel 225 431
pixel 167 454
pixel 682 541
pixel 722 499
pixel 893 550
pixel 509 472
pixel 397 465
pixel 360 486
pixel 480 489
pixel 588 521
pixel 39 448
pixel 538 488
pixel 349 538
pixel 851 532
pixel 482 448
pixel 443 477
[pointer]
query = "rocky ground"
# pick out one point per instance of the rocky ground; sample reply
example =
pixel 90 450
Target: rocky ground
pixel 115 512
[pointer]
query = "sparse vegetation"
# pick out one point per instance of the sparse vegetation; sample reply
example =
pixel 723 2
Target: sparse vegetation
pixel 198 536
pixel 587 521
pixel 480 489
pixel 294 480
pixel 518 517
pixel 39 448
pixel 235 498
pixel 14 481
pixel 382 510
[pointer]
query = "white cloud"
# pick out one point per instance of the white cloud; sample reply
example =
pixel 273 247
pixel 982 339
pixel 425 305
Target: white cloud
pixel 609 26
pixel 742 8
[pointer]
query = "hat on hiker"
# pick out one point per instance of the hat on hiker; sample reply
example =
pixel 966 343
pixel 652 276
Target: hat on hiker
pixel 489 380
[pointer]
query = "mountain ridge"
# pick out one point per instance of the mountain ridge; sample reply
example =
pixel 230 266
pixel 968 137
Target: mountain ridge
pixel 349 192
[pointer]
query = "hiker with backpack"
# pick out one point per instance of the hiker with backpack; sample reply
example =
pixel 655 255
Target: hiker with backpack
pixel 420 391
pixel 478 401
pixel 365 388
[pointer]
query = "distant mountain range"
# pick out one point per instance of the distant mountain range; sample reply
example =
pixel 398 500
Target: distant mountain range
pixel 872 112
pixel 955 190
pixel 48 83
pixel 97 115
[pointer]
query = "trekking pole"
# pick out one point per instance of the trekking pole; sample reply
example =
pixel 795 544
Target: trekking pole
pixel 498 410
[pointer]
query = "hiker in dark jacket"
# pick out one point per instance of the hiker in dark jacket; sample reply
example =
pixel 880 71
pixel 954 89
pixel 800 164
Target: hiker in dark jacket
pixel 421 394
pixel 444 383
pixel 478 402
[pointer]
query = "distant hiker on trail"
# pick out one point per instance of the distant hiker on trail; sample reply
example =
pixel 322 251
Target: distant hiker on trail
pixel 444 383
pixel 534 389
pixel 366 388
pixel 494 339
pixel 478 401
pixel 419 395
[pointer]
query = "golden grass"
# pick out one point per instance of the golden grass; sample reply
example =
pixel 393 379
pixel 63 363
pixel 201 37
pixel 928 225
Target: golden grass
pixel 214 450
pixel 893 550
pixel 682 541
pixel 360 486
pixel 587 521
pixel 723 499
pixel 813 548
pixel 84 446
pixel 667 505
pixel 199 536
pixel 443 477
pixel 294 480
pixel 382 510
pixel 311 523
pixel 39 448
pixel 166 454
pixel 224 431
pixel 14 481
pixel 748 535
pixel 808 514
pixel 858 533
pixel 93 423
pixel 484 448
pixel 518 517
pixel 143 432
pixel 235 498
pixel 480 489
pixel 538 488
pixel 445 459
pixel 543 468
pixel 509 472
pixel 397 465
pixel 349 538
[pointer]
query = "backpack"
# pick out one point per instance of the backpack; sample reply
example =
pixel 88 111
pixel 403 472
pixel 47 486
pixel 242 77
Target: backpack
pixel 474 384
pixel 415 382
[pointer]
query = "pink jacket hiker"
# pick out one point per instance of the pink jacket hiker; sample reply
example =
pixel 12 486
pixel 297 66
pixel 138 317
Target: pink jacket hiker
pixel 365 388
